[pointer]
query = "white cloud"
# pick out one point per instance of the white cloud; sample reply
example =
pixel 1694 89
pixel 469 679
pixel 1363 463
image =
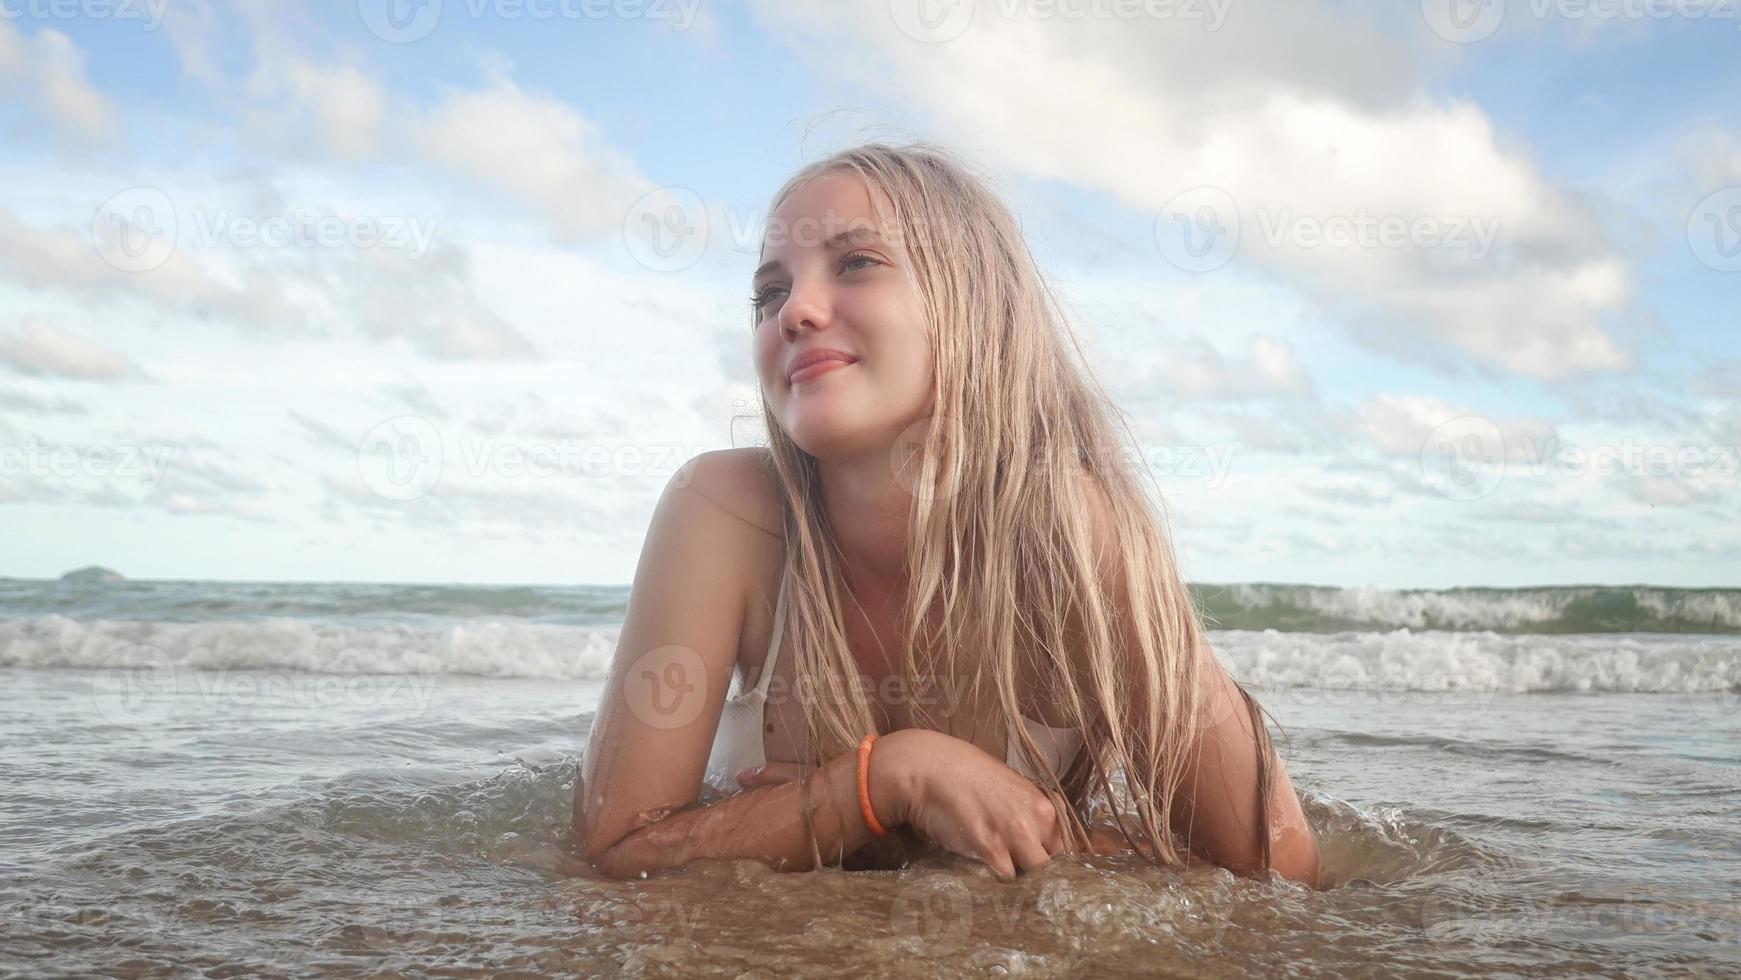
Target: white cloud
pixel 66 260
pixel 537 150
pixel 1401 425
pixel 40 349
pixel 48 71
pixel 1660 491
pixel 1303 119
pixel 1712 155
pixel 533 148
pixel 1192 369
pixel 429 301
pixel 192 28
pixel 348 106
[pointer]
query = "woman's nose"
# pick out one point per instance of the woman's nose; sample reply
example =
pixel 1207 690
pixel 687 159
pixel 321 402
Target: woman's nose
pixel 805 309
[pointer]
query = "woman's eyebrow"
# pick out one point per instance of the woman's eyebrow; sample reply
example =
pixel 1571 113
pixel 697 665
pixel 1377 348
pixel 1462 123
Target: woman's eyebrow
pixel 834 241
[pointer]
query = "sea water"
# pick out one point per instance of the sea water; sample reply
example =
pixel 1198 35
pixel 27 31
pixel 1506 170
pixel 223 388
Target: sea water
pixel 289 779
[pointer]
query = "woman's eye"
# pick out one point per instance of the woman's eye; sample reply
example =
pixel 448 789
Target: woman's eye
pixel 761 297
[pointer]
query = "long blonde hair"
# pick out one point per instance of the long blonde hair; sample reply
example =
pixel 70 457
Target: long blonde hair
pixel 1001 560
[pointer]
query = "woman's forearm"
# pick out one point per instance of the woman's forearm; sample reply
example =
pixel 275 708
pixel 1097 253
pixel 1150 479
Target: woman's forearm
pixel 765 824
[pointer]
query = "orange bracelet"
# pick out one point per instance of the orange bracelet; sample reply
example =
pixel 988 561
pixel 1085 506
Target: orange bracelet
pixel 870 816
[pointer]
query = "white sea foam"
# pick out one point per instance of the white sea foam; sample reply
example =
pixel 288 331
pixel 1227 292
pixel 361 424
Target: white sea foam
pixel 486 649
pixel 1407 660
pixel 1400 659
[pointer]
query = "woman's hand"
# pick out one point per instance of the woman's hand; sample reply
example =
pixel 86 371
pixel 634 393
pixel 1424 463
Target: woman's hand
pixel 968 802
pixel 955 794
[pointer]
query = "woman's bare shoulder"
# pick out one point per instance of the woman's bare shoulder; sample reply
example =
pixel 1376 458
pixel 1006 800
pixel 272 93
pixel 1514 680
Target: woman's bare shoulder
pixel 740 482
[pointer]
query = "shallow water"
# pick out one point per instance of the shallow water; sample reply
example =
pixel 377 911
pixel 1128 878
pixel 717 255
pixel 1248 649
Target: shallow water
pixel 257 826
pixel 270 779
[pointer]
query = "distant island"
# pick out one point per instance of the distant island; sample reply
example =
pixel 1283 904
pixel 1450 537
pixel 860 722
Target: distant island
pixel 92 575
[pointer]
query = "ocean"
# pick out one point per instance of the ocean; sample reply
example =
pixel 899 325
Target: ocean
pixel 315 779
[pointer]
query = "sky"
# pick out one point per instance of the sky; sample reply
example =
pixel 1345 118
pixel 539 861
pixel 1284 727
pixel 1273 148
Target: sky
pixel 1399 295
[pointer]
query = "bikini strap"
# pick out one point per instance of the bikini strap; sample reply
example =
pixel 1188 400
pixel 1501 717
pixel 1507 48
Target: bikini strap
pixel 772 660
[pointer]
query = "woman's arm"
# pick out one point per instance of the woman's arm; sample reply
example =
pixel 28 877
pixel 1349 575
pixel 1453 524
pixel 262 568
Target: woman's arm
pixel 634 807
pixel 1216 806
pixel 646 755
pixel 766 824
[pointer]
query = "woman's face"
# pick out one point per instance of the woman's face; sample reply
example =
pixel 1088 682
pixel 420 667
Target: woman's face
pixel 833 277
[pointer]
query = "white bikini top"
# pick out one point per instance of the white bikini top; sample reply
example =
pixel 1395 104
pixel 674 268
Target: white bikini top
pixel 738 742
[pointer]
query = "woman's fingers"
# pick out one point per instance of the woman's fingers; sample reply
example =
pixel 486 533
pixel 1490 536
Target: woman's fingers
pixel 1029 853
pixel 1000 863
pixel 1054 838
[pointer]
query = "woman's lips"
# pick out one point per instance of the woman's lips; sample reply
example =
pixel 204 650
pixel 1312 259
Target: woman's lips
pixel 818 369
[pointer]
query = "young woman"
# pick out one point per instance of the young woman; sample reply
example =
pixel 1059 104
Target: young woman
pixel 942 539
